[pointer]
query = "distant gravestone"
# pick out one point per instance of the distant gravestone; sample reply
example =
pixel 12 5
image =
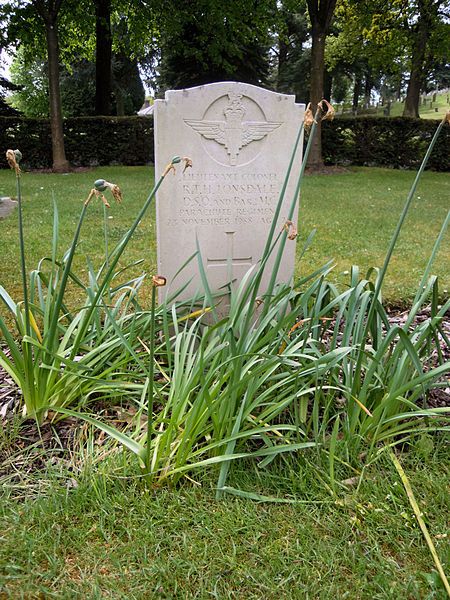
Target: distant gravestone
pixel 7 205
pixel 240 138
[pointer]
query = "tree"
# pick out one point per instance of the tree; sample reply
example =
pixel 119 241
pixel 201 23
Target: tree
pixel 77 87
pixel 293 56
pixel 5 109
pixel 28 23
pixel 396 37
pixel 210 40
pixel 48 11
pixel 425 22
pixel 31 80
pixel 103 57
pixel 321 15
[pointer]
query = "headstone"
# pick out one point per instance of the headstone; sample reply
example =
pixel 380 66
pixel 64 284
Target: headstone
pixel 434 96
pixel 7 205
pixel 240 138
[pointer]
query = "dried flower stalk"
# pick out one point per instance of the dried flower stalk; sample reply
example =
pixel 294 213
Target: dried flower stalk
pixel 11 157
pixel 330 112
pixel 187 162
pixel 290 229
pixel 97 194
pixel 159 281
pixel 99 187
pixel 167 170
pixel 309 117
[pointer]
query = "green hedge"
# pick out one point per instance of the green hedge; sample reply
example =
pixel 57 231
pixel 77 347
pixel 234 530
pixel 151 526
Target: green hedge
pixel 385 142
pixel 91 141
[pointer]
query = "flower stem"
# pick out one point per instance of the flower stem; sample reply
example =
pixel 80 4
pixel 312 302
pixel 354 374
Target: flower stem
pixel 151 372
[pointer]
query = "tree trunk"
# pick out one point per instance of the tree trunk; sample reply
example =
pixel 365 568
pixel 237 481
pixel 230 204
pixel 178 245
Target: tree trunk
pixel 356 94
pixel 315 160
pixel 60 163
pixel 282 60
pixel 327 85
pixel 120 101
pixel 421 35
pixel 321 14
pixel 103 55
pixel 367 90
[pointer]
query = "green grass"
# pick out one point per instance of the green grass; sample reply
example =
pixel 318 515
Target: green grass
pixel 109 538
pixel 425 111
pixel 355 213
pixel 96 531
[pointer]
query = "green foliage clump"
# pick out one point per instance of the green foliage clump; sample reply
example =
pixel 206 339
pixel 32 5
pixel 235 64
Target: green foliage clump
pixel 298 366
pixel 77 86
pixel 89 141
pixel 398 143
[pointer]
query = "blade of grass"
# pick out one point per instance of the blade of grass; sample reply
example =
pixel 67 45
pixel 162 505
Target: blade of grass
pixel 418 513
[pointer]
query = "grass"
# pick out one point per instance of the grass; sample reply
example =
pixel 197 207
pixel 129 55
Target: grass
pixel 425 111
pixel 354 212
pixel 110 538
pixel 100 532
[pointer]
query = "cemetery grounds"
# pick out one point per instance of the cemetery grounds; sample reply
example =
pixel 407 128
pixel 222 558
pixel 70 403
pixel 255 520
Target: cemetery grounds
pixel 83 515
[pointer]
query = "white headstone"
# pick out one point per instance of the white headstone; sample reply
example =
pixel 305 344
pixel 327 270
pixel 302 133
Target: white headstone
pixel 240 139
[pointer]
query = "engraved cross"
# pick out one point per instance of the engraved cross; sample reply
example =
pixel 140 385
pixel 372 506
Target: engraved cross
pixel 230 260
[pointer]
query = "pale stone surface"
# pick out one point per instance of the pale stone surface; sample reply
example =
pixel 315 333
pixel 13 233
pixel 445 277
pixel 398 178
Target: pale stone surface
pixel 240 138
pixel 7 205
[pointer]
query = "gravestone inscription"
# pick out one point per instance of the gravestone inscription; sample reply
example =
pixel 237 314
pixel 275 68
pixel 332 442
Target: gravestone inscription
pixel 240 138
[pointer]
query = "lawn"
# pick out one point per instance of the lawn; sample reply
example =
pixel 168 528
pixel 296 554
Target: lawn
pixel 354 213
pixel 441 103
pixel 331 520
pixel 109 538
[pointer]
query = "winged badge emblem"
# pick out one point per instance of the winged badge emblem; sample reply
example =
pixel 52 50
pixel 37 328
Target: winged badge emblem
pixel 234 133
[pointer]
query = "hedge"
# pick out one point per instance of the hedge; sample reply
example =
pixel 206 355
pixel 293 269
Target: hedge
pixel 89 141
pixel 92 141
pixel 397 142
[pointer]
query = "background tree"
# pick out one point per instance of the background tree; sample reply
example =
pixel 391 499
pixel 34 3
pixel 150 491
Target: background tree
pixel 291 51
pixel 103 57
pixel 321 15
pixel 427 24
pixel 48 11
pixel 35 26
pixel 210 40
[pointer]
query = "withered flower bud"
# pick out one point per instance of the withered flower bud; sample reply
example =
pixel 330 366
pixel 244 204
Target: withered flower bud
pixel 169 168
pixel 159 281
pixel 187 163
pixel 309 117
pixel 100 185
pixel 13 157
pixel 97 194
pixel 330 112
pixel 290 229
